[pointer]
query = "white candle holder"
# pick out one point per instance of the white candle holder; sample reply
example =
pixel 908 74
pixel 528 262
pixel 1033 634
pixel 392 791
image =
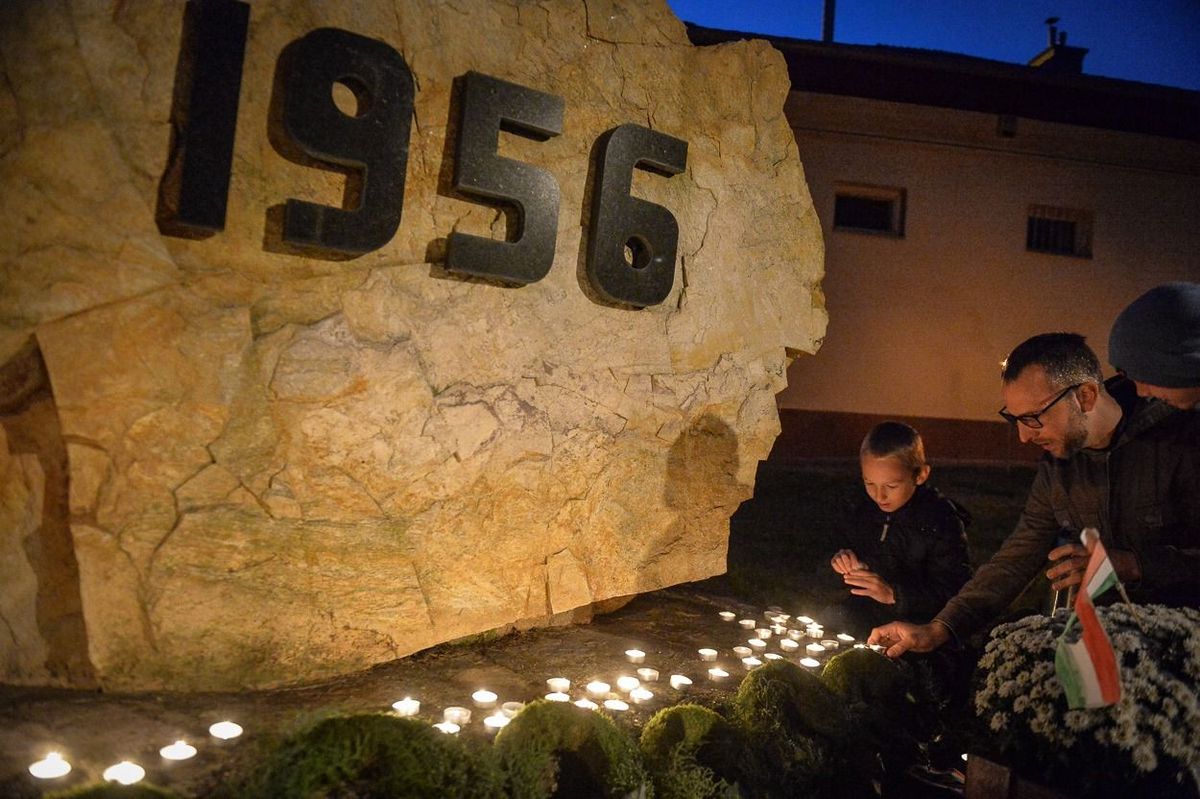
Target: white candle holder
pixel 680 681
pixel 829 643
pixel 225 730
pixel 457 715
pixel 558 684
pixel 52 766
pixel 757 643
pixel 496 721
pixel 125 772
pixel 707 654
pixel 743 651
pixel 717 674
pixel 749 624
pixel 814 649
pixel 641 695
pixel 586 704
pixel 407 707
pixel 626 683
pixel 180 750
pixel 648 675
pixel 810 663
pixel 598 689
pixel 805 620
pixel 773 656
pixel 616 704
pixel 484 698
pixel 558 696
pixel 635 655
pixel 763 633
pixel 511 709
pixel 448 727
pixel 845 638
pixel 751 662
pixel 727 615
pixel 788 645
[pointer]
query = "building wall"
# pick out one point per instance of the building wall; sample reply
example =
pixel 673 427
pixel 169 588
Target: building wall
pixel 919 324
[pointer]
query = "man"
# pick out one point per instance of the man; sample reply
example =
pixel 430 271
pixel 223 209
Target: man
pixel 1155 342
pixel 1126 466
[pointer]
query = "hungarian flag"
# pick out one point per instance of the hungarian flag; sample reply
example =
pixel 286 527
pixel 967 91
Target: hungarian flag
pixel 1085 661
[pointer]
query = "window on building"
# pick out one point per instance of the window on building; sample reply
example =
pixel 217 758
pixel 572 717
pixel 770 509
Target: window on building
pixel 869 209
pixel 1059 231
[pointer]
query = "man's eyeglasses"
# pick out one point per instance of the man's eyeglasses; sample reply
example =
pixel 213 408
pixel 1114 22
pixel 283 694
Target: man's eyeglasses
pixel 1032 420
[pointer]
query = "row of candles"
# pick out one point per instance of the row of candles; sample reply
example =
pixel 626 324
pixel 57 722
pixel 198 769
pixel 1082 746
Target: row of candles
pixel 597 693
pixel 126 772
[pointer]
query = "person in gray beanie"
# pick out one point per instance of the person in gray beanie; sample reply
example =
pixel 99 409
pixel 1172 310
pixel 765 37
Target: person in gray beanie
pixel 1155 342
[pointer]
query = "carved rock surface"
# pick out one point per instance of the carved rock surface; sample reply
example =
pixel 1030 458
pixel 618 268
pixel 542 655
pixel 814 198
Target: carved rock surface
pixel 280 467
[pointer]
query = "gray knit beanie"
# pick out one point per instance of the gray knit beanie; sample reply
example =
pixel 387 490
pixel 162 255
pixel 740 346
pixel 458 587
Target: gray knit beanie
pixel 1156 340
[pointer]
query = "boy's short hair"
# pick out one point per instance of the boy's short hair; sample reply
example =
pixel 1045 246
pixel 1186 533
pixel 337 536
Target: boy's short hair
pixel 1065 357
pixel 895 440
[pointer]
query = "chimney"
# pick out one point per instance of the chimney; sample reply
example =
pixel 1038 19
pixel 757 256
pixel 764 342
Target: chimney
pixel 827 21
pixel 1058 57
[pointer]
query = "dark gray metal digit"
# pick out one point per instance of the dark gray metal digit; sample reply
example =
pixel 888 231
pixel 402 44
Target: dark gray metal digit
pixel 632 242
pixel 371 146
pixel 488 106
pixel 194 191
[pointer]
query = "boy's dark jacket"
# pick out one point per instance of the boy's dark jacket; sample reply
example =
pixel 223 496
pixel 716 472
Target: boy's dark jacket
pixel 922 555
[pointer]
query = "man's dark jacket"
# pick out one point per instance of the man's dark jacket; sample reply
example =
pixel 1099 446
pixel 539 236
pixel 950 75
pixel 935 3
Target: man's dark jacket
pixel 1142 493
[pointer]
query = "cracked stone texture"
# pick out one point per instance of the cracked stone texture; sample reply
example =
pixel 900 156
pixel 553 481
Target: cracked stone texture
pixel 281 468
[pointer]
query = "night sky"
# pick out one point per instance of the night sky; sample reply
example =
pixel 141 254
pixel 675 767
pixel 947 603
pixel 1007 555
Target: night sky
pixel 1152 41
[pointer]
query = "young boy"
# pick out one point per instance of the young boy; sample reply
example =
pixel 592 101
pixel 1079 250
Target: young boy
pixel 906 552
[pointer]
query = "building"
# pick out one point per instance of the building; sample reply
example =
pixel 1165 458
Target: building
pixel 967 204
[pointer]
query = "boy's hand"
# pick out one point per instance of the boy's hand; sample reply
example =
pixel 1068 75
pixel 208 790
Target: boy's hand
pixel 844 560
pixel 863 582
pixel 900 636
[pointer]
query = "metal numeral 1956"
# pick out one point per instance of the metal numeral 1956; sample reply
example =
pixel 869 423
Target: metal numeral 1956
pixel 631 243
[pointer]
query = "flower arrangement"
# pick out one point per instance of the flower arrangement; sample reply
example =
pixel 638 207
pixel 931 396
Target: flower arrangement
pixel 1150 739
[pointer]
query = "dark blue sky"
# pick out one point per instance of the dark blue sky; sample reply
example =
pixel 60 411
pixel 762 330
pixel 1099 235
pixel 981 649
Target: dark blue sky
pixel 1153 41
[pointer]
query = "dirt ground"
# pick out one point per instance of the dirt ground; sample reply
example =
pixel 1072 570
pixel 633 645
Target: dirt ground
pixel 95 730
pixel 778 551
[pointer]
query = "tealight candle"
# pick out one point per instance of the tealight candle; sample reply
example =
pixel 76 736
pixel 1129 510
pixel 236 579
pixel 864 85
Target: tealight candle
pixel 717 674
pixel 52 766
pixel 877 648
pixel 814 631
pixel 641 695
pixel 829 643
pixel 511 709
pixel 616 704
pixel 448 727
pixel 751 662
pixel 806 620
pixel 788 645
pixel 743 651
pixel 772 610
pixel 757 643
pixel 635 655
pixel 795 635
pixel 225 730
pixel 648 675
pixel 559 684
pixel 457 715
pixel 124 772
pixel 558 696
pixel 586 704
pixel 680 681
pixel 727 615
pixel 496 721
pixel 407 707
pixel 845 638
pixel 484 698
pixel 180 750
pixel 763 633
pixel 814 649
pixel 778 629
pixel 860 646
pixel 708 654
pixel 597 688
pixel 811 663
pixel 773 656
pixel 626 683
pixel 748 623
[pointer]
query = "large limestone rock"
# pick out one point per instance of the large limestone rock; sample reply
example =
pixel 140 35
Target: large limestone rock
pixel 274 468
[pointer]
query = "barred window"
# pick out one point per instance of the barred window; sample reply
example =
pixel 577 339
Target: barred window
pixel 1059 231
pixel 869 209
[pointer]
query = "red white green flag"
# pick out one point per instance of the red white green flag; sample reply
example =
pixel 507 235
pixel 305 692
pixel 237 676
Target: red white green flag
pixel 1085 661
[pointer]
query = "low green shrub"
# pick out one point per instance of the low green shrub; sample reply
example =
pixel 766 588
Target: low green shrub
pixel 375 755
pixel 558 749
pixel 692 753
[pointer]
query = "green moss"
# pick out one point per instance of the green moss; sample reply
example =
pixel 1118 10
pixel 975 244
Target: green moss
pixel 374 756
pixel 691 752
pixel 112 790
pixel 794 727
pixel 557 749
pixel 863 675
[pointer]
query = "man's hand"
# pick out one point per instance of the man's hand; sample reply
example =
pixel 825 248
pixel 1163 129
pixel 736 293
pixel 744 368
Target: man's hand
pixel 864 582
pixel 844 560
pixel 1070 560
pixel 901 636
